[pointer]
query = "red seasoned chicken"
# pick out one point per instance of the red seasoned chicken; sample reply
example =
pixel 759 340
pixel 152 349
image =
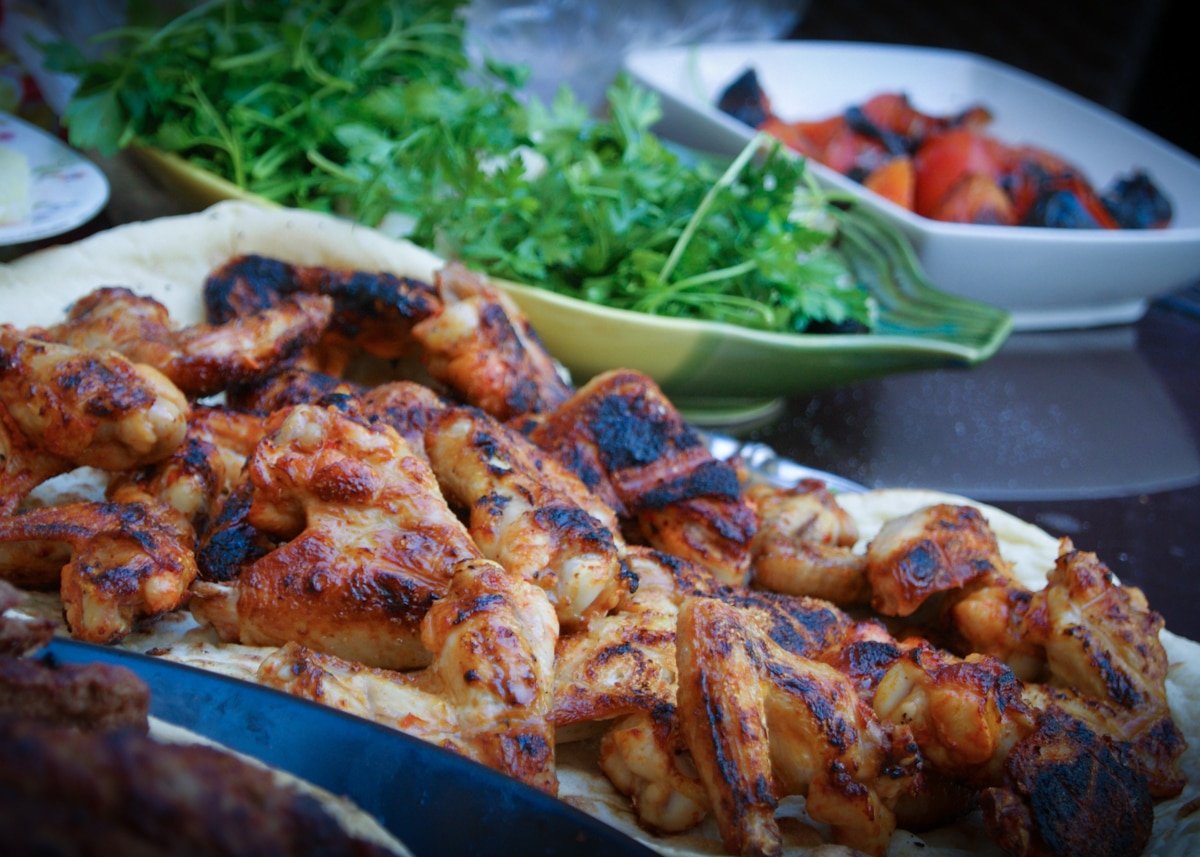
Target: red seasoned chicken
pixel 630 445
pixel 481 346
pixel 366 542
pixel 90 408
pixel 202 359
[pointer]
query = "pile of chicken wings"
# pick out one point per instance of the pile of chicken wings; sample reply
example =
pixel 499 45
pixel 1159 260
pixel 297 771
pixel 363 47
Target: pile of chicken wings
pixel 487 558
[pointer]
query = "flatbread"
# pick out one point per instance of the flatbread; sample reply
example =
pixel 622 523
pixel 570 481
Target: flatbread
pixel 169 258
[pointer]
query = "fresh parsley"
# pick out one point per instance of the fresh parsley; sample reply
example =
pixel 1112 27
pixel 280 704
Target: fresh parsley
pixel 370 109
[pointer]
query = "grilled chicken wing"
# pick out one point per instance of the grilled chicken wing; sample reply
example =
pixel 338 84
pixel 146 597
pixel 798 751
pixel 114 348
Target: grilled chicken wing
pixel 620 670
pixel 481 346
pixel 486 694
pixel 1100 638
pixel 1153 740
pixel 628 444
pixel 932 550
pixel 203 359
pixel 374 311
pixel 990 617
pixel 23 464
pixel 966 714
pixel 520 518
pixel 367 542
pixel 804 544
pixel 199 474
pixel 761 723
pixel 90 408
pixel 128 562
pixel 644 757
pixel 291 385
pixel 1097 642
pixel 619 663
pixel 1068 791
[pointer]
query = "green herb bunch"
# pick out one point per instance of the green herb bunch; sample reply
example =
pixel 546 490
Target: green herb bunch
pixel 370 109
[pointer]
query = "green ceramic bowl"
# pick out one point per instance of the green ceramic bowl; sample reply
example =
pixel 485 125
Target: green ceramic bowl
pixel 714 369
pixel 720 373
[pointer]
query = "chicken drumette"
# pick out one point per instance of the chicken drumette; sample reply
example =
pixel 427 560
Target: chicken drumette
pixel 202 359
pixel 487 692
pixel 523 512
pixel 481 346
pixel 89 408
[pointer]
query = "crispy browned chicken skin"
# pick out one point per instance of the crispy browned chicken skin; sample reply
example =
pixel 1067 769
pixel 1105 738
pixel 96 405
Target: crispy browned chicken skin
pixel 90 408
pixel 202 359
pixel 129 561
pixel 374 311
pixel 761 723
pixel 628 444
pixel 1067 790
pixel 932 550
pixel 480 345
pixel 366 542
pixel 1095 642
pixel 487 694
pixel 804 544
pixel 521 517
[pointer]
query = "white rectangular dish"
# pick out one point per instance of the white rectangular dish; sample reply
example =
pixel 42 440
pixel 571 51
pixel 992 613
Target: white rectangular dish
pixel 1047 278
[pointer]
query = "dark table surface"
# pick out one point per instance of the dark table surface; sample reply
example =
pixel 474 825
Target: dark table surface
pixel 1092 434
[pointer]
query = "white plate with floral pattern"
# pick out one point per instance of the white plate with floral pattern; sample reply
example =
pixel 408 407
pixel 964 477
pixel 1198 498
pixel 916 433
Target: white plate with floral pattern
pixel 66 190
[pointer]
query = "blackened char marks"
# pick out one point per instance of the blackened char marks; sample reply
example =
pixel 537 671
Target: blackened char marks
pixel 362 299
pixel 232 542
pixel 245 285
pixel 633 431
pixel 709 479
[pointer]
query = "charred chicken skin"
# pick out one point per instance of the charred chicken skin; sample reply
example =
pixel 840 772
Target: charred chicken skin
pixel 481 346
pixel 932 550
pixel 1046 777
pixel 1063 784
pixel 90 408
pixel 189 482
pixel 367 542
pixel 203 359
pixel 629 444
pixel 128 562
pixel 505 563
pixel 374 311
pixel 761 722
pixel 520 518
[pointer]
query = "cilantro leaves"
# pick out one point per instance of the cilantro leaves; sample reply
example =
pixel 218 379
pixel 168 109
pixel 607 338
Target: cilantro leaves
pixel 368 108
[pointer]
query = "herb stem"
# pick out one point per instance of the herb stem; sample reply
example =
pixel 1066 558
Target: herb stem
pixel 726 179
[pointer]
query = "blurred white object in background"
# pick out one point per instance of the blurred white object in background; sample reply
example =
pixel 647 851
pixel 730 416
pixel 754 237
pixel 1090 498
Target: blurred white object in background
pixel 14 185
pixel 581 43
